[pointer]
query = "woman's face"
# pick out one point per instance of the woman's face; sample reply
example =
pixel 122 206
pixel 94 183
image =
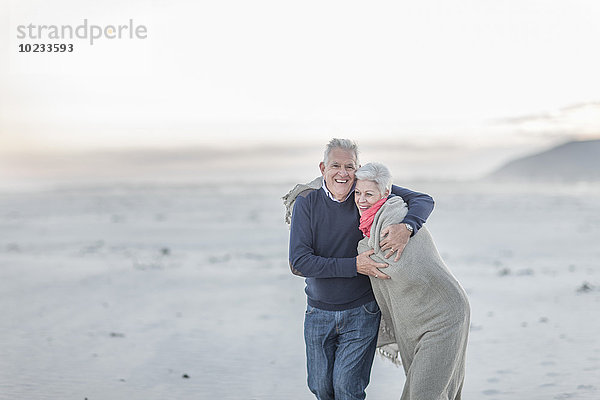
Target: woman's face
pixel 366 194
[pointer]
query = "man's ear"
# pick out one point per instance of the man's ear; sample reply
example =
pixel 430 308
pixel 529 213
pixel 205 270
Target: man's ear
pixel 322 168
pixel 387 193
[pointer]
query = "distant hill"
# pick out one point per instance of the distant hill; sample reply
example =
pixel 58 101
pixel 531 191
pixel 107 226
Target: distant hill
pixel 570 162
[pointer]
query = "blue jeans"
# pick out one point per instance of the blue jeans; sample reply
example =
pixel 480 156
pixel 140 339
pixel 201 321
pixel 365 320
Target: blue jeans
pixel 340 346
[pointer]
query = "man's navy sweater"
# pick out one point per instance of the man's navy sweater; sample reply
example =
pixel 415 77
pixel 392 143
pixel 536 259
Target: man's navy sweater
pixel 324 235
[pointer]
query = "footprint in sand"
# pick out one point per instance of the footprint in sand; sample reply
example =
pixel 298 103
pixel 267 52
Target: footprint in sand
pixel 504 372
pixel 490 392
pixel 565 396
pixel 586 387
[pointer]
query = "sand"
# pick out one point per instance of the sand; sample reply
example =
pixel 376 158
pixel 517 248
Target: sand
pixel 184 291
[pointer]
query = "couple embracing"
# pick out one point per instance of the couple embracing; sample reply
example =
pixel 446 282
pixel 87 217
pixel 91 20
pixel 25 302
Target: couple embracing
pixel 374 279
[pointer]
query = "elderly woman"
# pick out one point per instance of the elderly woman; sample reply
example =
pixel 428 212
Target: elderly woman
pixel 424 310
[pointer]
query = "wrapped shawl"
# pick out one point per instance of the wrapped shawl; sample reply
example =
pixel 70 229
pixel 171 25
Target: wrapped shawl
pixel 424 312
pixel 290 198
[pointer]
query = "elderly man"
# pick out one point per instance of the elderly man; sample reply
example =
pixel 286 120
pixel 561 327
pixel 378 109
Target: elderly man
pixel 342 317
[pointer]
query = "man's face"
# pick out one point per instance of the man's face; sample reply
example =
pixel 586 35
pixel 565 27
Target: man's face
pixel 339 172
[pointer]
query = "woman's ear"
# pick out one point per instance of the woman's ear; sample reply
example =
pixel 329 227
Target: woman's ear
pixel 387 193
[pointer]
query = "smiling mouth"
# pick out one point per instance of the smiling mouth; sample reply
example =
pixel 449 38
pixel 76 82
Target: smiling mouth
pixel 341 181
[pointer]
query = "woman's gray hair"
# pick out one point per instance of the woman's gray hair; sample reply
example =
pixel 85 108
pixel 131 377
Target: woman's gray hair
pixel 344 144
pixel 378 173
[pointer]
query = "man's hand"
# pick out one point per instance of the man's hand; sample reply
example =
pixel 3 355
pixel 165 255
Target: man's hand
pixel 366 266
pixel 394 237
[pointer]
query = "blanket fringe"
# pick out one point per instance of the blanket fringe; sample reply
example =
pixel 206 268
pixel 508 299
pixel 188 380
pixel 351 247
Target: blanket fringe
pixel 390 353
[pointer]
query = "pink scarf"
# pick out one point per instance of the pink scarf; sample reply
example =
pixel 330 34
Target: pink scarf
pixel 367 217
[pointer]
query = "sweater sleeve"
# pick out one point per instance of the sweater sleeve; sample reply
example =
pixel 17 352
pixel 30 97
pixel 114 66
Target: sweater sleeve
pixel 420 206
pixel 303 260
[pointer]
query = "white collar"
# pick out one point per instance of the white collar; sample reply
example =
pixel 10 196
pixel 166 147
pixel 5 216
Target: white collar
pixel 328 193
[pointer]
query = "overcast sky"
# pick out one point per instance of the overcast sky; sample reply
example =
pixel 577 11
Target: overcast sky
pixel 245 72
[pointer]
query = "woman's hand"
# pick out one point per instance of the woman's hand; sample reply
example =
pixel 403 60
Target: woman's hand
pixel 394 237
pixel 366 266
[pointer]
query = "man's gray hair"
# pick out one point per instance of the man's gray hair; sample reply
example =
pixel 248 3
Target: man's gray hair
pixel 344 144
pixel 378 173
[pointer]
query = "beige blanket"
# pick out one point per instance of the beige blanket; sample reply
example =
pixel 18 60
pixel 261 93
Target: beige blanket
pixel 425 312
pixel 290 197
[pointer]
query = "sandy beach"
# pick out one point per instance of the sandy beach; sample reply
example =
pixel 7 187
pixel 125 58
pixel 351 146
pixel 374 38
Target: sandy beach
pixel 145 147
pixel 184 291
